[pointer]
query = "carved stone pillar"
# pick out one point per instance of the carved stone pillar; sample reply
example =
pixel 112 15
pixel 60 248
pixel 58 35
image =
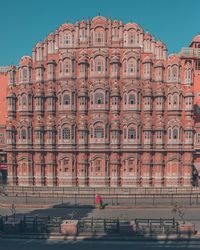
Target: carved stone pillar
pixel 146 172
pixel 114 170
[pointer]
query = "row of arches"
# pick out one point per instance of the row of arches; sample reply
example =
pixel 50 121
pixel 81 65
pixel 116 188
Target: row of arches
pixel 100 66
pixel 99 98
pixel 100 132
pixel 128 169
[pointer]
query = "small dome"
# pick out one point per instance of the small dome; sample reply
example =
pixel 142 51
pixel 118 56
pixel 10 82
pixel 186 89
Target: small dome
pixel 132 26
pixel 12 67
pixel 25 61
pixel 147 36
pixel 99 19
pixel 159 43
pixel 196 39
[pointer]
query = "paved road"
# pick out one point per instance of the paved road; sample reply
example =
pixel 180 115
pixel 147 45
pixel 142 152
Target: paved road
pixel 97 245
pixel 192 214
pixel 148 200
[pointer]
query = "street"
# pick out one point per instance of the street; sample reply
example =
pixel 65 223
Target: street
pixel 14 244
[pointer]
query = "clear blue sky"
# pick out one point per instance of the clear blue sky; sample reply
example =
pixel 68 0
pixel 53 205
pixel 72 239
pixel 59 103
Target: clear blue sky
pixel 25 22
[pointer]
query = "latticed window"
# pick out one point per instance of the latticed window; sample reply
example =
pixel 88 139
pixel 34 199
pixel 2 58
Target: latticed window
pixel 175 73
pixel 132 67
pixel 175 133
pixel 159 134
pixel 66 134
pixel 131 133
pixel 67 39
pixel 131 99
pixel 147 69
pixel 125 67
pixel 98 165
pixel 29 133
pixel 25 74
pixel 188 76
pixel 23 134
pixel 99 38
pixel 169 100
pixel 24 100
pixel 99 66
pixel 169 73
pixel 170 133
pixel 188 134
pixel 99 98
pixel 66 165
pixel 147 134
pixel 67 67
pixel 175 99
pixel 99 132
pixel 66 100
pixel 132 38
pixel 188 101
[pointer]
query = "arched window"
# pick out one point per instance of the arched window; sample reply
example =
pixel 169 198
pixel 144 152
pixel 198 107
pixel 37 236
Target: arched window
pixel 159 74
pixel 188 76
pixel 131 99
pixel 66 134
pixel 131 134
pixel 60 68
pixel 175 73
pixel 66 99
pixel 125 66
pixel 132 66
pixel 132 38
pixel 125 38
pixel 67 68
pixel 99 38
pixel 125 99
pixel 25 74
pixel 170 133
pixel 23 134
pixel 175 99
pixel 99 132
pixel 175 134
pixel 147 70
pixel 99 98
pixel 92 65
pixel 169 73
pixel 67 39
pixel 99 66
pixel 83 35
pixel 170 100
pixel 24 100
pixel 66 165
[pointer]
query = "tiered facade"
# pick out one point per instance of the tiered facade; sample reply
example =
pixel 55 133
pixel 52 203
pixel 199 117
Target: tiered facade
pixel 99 104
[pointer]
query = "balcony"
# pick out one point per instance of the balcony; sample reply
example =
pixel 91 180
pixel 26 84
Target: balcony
pixel 190 52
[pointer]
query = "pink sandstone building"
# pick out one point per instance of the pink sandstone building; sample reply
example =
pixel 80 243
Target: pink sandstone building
pixel 100 104
pixel 3 116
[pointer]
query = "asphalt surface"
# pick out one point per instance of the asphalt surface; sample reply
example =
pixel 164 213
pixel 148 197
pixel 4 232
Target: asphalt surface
pixel 7 244
pixel 186 200
pixel 192 214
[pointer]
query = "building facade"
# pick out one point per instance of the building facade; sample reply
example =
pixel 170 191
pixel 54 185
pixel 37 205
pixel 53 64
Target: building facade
pixel 100 104
pixel 3 117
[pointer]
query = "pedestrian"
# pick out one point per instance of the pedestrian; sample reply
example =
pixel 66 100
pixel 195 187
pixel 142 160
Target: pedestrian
pixel 98 201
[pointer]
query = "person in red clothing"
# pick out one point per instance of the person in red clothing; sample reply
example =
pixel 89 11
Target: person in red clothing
pixel 98 201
